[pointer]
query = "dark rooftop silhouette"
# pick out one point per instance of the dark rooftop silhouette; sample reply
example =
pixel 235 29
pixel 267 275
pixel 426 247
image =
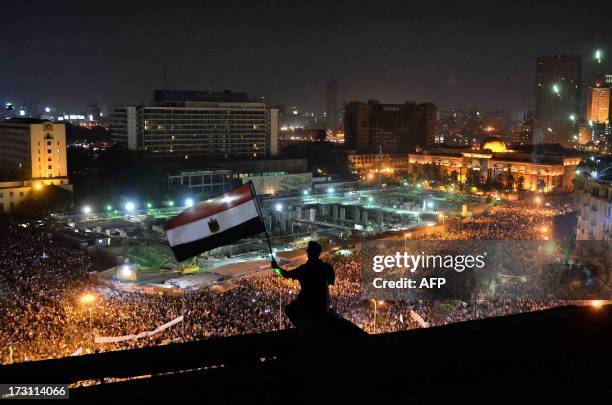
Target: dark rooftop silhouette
pixel 545 354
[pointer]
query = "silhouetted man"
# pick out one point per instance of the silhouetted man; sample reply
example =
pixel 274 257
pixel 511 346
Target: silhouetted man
pixel 315 277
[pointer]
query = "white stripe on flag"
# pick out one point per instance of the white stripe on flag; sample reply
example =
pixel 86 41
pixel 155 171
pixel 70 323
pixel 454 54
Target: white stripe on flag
pixel 199 229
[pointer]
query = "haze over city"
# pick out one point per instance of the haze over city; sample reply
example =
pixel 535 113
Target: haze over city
pixel 460 54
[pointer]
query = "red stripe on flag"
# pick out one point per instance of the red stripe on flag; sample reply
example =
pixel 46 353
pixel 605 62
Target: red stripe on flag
pixel 204 209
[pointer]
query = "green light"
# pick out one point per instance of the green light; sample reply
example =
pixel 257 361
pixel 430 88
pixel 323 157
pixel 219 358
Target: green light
pixel 598 55
pixel 171 203
pixel 555 88
pixel 109 207
pixel 149 205
pixel 370 199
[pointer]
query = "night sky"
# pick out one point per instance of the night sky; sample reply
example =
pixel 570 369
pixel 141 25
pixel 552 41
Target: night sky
pixel 481 54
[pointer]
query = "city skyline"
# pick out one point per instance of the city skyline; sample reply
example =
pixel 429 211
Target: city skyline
pixel 460 62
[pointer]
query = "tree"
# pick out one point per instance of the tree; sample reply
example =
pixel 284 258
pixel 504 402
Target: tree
pixel 50 199
pixel 520 185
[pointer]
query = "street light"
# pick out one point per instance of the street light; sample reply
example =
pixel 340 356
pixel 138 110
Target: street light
pixel 376 303
pixel 407 235
pixel 189 202
pixel 149 205
pixel 88 300
pixel 109 207
pixel 86 210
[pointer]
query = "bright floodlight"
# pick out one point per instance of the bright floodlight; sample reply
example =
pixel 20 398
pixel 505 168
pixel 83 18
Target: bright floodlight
pixel 171 203
pixel 278 207
pixel 330 190
pixel 126 271
pixel 189 202
pixel 129 206
pixel 47 110
pixel 86 209
pixel 430 204
pixel 87 299
pixel 305 192
pixel 109 207
pixel 572 117
pixel 149 205
pixel 555 88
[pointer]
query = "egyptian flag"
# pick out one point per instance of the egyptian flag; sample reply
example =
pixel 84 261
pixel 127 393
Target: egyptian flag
pixel 215 222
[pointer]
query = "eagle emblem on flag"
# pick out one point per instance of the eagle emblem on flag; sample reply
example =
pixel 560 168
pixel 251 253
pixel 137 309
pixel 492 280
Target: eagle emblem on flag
pixel 230 217
pixel 213 225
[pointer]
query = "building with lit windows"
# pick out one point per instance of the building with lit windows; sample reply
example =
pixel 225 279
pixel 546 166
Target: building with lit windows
pixel 373 127
pixel 529 169
pixel 593 204
pixel 369 164
pixel 598 107
pixel 32 155
pixel 593 201
pixel 557 98
pixel 219 125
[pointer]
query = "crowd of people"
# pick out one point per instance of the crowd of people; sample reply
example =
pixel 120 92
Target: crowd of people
pixel 42 281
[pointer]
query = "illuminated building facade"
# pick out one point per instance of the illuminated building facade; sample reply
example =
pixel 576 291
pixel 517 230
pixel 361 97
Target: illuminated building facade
pixel 557 96
pixel 32 155
pixel 391 128
pixel 368 164
pixel 195 123
pixel 598 107
pixel 494 162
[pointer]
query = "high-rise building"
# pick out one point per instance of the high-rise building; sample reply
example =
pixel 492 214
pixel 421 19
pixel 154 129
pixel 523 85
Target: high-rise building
pixel 33 149
pixel 332 105
pixel 557 98
pixel 598 95
pixel 198 123
pixel 388 128
pixel 32 155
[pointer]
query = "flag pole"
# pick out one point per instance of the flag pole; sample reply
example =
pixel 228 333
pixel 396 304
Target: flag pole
pixel 262 220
